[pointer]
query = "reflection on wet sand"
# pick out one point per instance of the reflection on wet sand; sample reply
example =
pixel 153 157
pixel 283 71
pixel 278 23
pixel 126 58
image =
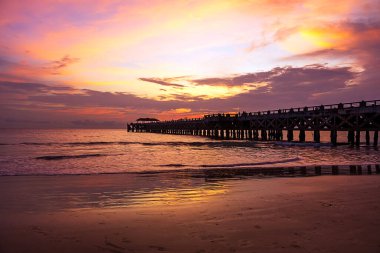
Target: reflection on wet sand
pixel 52 193
pixel 171 196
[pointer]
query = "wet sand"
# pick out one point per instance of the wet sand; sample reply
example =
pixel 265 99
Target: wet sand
pixel 311 214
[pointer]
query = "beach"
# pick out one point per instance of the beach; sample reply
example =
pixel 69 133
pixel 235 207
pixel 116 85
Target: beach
pixel 113 213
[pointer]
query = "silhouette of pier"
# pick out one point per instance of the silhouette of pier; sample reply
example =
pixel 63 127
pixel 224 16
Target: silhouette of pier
pixel 278 125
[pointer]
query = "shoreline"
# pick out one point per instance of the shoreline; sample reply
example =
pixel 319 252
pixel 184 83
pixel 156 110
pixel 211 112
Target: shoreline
pixel 245 170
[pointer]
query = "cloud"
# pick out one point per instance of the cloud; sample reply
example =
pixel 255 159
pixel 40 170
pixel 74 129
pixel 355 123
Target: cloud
pixel 31 88
pixel 285 78
pixel 236 80
pixel 291 87
pixel 11 70
pixel 56 66
pixel 355 42
pixel 163 82
pixel 70 107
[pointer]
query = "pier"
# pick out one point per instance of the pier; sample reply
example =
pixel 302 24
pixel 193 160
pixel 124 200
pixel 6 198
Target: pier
pixel 279 125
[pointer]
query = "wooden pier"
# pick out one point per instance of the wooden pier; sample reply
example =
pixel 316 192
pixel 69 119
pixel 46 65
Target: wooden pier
pixel 279 125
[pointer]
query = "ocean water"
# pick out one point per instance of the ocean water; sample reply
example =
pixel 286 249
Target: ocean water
pixel 57 152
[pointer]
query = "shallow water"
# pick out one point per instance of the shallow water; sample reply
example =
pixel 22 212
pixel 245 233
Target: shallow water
pixel 51 193
pixel 56 152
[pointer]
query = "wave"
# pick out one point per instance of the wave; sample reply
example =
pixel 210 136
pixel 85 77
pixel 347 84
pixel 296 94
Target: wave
pixel 173 165
pixel 302 144
pixel 61 157
pixel 176 143
pixel 232 165
pixel 101 143
pixel 38 143
pixel 210 144
pixel 249 164
pixel 76 143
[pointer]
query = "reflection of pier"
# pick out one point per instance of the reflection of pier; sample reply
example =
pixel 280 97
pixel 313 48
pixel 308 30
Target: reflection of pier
pixel 278 125
pixel 284 171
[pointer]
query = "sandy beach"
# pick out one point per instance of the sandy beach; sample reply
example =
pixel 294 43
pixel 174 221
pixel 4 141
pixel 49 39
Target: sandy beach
pixel 313 214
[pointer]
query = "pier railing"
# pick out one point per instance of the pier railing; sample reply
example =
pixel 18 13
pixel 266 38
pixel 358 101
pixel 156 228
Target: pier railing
pixel 353 117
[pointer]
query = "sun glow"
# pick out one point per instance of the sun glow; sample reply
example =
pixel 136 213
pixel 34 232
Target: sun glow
pixel 325 38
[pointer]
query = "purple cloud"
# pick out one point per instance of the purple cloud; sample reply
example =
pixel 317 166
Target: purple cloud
pixel 70 107
pixel 163 82
pixel 65 61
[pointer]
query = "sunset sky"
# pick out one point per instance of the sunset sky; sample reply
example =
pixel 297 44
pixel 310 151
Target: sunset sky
pixel 95 64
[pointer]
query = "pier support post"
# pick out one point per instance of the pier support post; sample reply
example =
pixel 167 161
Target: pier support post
pixel 255 135
pixel 317 136
pixel 302 135
pixel 222 134
pixel 367 137
pixel 351 137
pixel 290 135
pixel 264 135
pixel 357 138
pixel 250 136
pixel 227 134
pixel 272 134
pixel 278 135
pixel 333 137
pixel 375 137
pixel 216 133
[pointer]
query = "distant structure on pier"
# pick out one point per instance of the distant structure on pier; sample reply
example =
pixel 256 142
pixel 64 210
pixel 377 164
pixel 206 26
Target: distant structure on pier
pixel 354 118
pixel 147 120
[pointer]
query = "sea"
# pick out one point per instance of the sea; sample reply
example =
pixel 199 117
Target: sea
pixel 94 151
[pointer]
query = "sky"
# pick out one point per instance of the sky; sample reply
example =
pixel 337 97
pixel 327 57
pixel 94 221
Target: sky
pixel 101 64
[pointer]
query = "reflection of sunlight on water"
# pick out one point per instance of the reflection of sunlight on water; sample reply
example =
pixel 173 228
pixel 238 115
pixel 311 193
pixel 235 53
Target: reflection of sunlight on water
pixel 175 196
pixel 142 197
pixel 59 193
